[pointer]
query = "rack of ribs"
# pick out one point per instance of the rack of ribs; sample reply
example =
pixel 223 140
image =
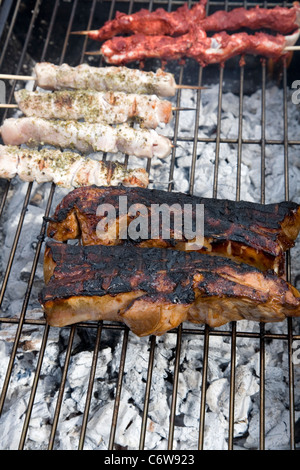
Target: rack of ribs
pixel 153 290
pixel 250 233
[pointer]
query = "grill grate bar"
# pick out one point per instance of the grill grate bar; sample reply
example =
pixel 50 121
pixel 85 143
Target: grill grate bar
pixel 32 273
pixel 50 30
pixel 62 57
pixel 244 141
pixel 34 388
pixel 175 388
pixel 203 388
pixel 179 330
pixel 61 389
pixel 232 386
pixel 46 328
pixel 90 387
pixel 185 330
pixel 218 140
pixel 22 57
pixel 20 63
pixel 118 390
pixel 6 276
pixel 89 26
pixel 233 324
pixel 197 118
pixel 8 36
pixel 262 326
pixel 288 265
pixel 240 133
pixel 147 392
pixel 262 388
pixel 175 136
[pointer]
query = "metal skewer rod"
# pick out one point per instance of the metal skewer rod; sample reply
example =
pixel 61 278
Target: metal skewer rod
pixel 5 105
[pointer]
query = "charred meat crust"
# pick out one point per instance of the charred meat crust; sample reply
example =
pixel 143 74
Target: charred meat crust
pixel 248 232
pixel 153 290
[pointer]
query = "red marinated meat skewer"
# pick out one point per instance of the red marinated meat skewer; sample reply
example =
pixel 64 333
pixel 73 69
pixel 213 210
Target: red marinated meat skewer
pixel 195 44
pixel 223 46
pixel 160 22
pixel 280 19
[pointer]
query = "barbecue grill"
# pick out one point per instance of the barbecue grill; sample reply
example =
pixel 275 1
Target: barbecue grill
pixel 95 385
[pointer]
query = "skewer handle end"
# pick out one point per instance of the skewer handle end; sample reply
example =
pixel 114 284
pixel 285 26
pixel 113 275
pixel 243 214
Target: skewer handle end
pixel 4 76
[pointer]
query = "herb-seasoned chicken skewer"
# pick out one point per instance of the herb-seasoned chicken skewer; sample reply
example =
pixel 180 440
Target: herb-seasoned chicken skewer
pixel 85 137
pixel 154 290
pixel 110 78
pixel 92 106
pixel 66 169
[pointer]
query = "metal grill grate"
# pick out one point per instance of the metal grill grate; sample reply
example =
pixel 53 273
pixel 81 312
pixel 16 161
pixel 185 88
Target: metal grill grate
pixel 42 31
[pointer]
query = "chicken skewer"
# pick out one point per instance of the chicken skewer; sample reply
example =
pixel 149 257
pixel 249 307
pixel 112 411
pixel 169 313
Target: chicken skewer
pixel 160 22
pixel 154 290
pixel 196 45
pixel 84 76
pixel 104 107
pixel 66 169
pixel 85 137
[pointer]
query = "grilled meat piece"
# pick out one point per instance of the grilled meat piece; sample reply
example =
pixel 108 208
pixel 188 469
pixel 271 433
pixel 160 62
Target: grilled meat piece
pixel 159 21
pixel 154 290
pixel 85 137
pixel 281 19
pixel 66 169
pixel 196 45
pixel 84 76
pixel 248 232
pixel 92 106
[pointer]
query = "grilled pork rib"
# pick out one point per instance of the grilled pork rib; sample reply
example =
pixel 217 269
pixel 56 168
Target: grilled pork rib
pixel 92 106
pixel 248 232
pixel 154 290
pixel 66 169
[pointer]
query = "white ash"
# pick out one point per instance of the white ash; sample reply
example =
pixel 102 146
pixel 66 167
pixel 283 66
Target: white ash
pixel 247 374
